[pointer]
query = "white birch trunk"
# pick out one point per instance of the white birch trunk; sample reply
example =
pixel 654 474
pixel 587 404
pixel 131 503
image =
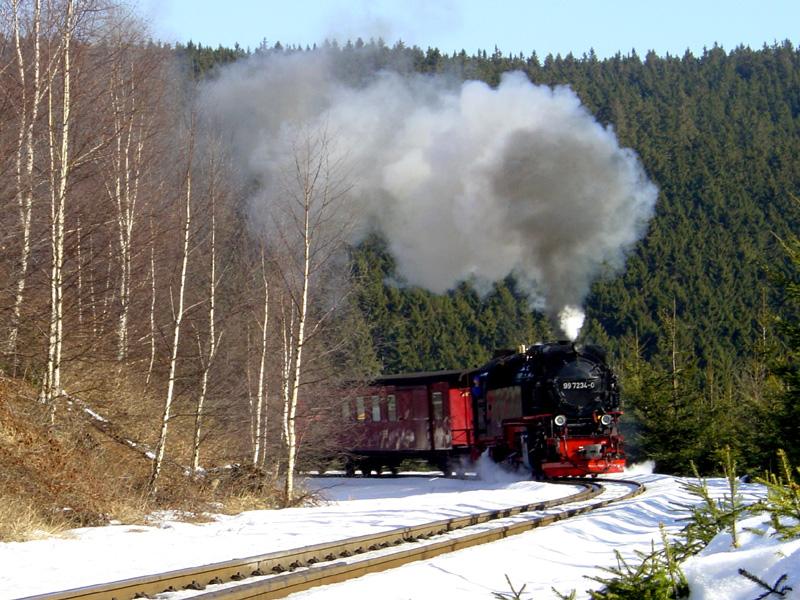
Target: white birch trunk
pixel 286 367
pixel 259 452
pixel 212 343
pixel 79 261
pixel 25 151
pixel 126 164
pixel 291 437
pixel 58 156
pixel 92 295
pixel 176 333
pixel 152 304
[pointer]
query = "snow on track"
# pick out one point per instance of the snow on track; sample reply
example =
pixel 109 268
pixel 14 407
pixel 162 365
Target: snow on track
pixel 351 507
pixel 559 556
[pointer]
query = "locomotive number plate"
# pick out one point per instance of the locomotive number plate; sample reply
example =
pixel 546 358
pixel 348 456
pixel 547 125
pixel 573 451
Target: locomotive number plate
pixel 578 385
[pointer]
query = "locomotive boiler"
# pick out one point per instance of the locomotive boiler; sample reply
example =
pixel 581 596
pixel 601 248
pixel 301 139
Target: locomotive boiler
pixel 552 408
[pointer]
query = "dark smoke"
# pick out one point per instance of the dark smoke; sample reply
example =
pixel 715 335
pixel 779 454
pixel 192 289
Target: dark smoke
pixel 465 181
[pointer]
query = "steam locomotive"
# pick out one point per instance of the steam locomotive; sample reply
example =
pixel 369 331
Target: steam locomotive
pixel 553 409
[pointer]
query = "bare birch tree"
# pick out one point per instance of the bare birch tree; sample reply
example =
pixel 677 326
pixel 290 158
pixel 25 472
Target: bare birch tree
pixel 312 229
pixel 25 159
pixel 260 408
pixel 152 319
pixel 60 170
pixel 178 314
pixel 207 357
pixel 124 192
pixel 132 97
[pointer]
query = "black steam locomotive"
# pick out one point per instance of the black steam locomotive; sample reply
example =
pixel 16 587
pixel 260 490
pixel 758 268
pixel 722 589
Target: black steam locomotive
pixel 552 408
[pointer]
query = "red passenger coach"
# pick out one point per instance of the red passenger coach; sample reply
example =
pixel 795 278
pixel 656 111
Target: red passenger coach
pixel 426 416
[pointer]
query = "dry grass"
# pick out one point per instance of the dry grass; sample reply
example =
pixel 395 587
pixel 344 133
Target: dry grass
pixel 54 478
pixel 20 521
pixel 244 501
pixel 75 474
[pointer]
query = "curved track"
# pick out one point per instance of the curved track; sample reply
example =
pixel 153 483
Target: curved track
pixel 278 574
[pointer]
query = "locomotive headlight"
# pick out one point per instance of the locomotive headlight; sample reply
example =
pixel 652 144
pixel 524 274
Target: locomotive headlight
pixel 606 420
pixel 560 420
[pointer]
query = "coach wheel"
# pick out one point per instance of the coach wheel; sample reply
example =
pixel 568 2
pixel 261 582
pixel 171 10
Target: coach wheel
pixel 367 467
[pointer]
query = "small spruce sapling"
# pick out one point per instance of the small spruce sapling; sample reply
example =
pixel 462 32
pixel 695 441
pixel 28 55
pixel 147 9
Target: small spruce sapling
pixel 657 577
pixel 732 502
pixel 712 516
pixel 783 499
pixel 515 594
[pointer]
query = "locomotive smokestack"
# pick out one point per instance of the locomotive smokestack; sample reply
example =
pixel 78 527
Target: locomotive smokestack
pixel 465 181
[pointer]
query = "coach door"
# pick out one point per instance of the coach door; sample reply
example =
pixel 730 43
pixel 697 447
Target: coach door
pixel 413 408
pixel 439 417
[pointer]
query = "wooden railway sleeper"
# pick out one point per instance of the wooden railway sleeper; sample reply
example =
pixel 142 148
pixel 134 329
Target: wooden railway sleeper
pixel 195 586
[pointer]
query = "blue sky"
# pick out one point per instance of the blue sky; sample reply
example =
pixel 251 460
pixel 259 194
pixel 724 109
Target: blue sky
pixel 514 26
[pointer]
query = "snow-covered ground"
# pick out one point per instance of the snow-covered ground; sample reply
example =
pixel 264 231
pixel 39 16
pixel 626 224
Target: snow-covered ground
pixel 559 556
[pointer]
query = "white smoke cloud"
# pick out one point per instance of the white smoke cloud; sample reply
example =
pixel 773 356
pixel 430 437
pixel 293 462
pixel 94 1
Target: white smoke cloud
pixel 466 182
pixel 571 320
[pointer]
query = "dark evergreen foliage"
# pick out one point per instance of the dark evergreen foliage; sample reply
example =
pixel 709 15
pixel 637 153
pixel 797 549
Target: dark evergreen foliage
pixel 719 133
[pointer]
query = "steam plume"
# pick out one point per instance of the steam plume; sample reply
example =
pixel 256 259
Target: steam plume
pixel 466 182
pixel 571 320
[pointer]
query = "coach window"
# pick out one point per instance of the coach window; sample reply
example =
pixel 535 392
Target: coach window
pixel 360 412
pixel 391 407
pixel 346 412
pixel 437 405
pixel 376 409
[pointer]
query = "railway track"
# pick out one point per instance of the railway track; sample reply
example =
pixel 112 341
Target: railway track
pixel 278 574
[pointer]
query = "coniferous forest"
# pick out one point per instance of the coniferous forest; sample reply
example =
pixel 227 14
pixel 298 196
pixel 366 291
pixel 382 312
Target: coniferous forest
pixel 128 248
pixel 699 321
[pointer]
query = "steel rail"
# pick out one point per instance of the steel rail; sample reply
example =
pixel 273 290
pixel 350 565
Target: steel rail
pixel 343 570
pixel 288 560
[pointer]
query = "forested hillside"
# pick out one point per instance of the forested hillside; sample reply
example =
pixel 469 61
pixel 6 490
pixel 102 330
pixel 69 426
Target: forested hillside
pixel 719 134
pixel 691 320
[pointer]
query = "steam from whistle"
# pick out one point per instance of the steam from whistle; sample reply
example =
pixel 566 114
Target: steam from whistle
pixel 465 181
